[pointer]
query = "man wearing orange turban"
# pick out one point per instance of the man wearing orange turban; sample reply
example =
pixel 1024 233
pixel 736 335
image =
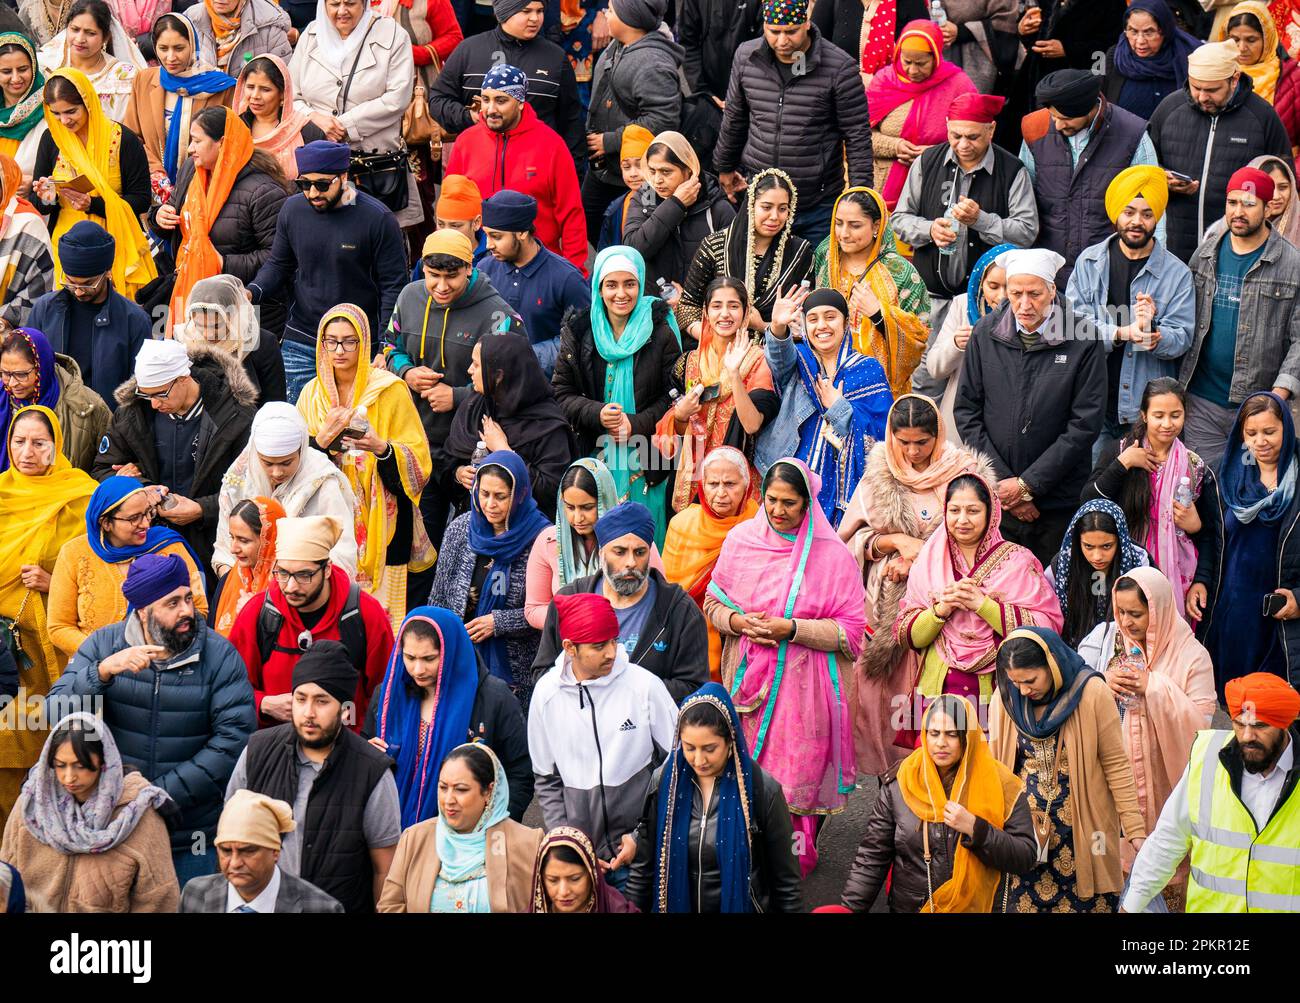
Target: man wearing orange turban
pixel 1236 810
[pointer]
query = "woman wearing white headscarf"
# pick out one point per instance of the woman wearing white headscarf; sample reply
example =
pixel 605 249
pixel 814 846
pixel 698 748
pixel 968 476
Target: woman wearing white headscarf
pixel 279 463
pixel 218 313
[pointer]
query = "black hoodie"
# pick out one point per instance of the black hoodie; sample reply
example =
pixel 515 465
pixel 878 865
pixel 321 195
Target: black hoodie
pixel 668 233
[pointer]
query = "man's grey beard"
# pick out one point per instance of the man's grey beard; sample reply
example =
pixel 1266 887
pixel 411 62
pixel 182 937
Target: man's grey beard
pixel 172 638
pixel 626 583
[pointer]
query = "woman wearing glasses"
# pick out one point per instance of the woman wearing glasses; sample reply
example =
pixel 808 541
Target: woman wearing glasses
pixel 86 585
pixel 1149 62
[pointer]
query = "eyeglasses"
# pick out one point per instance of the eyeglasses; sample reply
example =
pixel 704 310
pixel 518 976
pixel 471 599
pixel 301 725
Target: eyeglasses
pixel 83 287
pixel 301 577
pixel 345 344
pixel 162 395
pixel 1146 34
pixel 139 519
pixel 316 184
pixel 18 375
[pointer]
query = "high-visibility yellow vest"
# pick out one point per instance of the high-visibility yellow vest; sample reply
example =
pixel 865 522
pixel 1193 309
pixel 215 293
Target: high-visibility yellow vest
pixel 1235 867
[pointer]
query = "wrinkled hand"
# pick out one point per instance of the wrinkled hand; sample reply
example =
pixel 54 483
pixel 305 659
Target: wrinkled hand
pixel 966 212
pixel 941 232
pixel 440 398
pixel 908 547
pixel 493 435
pixel 949 30
pixel 1008 491
pixel 1025 511
pixel 35 577
pixel 278 707
pixel 481 628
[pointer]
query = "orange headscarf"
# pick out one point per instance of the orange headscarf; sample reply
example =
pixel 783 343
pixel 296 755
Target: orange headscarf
pixel 243 583
pixel 207 194
pixel 11 178
pixel 982 786
pixel 1271 699
pixel 225 32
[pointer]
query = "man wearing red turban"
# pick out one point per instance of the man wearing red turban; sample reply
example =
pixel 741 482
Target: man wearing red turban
pixel 1236 811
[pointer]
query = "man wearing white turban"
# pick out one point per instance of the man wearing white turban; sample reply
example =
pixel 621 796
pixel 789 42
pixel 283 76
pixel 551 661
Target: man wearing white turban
pixel 1031 397
pixel 181 421
pixel 279 463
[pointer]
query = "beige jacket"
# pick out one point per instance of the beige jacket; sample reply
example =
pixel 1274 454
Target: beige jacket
pixel 512 851
pixel 135 876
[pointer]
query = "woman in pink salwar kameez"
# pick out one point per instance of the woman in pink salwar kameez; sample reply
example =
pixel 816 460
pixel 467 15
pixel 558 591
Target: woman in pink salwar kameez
pixel 786 596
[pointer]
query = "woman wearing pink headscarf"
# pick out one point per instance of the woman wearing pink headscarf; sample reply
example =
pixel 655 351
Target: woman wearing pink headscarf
pixel 968 589
pixel 264 101
pixel 909 104
pixel 786 596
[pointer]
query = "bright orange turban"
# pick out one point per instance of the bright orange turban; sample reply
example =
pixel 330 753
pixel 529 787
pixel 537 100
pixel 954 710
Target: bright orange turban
pixel 1266 698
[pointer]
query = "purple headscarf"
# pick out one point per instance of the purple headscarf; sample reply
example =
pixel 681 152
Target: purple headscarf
pixel 47 386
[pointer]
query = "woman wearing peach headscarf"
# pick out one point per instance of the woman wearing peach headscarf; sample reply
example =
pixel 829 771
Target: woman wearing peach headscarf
pixel 252 537
pixel 896 506
pixel 264 103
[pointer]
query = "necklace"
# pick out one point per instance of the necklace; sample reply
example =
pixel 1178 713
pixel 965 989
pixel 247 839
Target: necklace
pixel 56 22
pixel 1049 782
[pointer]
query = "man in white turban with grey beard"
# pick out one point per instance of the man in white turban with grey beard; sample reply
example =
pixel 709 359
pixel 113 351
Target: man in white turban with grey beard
pixel 278 463
pixel 1031 398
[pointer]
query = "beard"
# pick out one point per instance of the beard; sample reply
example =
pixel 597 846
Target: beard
pixel 328 736
pixel 175 638
pixel 626 583
pixel 1136 244
pixel 1267 757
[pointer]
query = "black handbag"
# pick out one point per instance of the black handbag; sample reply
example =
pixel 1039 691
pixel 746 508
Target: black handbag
pixel 11 638
pixel 385 176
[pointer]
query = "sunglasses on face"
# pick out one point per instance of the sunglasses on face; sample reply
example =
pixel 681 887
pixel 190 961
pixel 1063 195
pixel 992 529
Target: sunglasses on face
pixel 305 185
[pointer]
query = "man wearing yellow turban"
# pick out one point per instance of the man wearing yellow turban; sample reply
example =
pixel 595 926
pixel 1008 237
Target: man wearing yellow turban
pixel 1140 296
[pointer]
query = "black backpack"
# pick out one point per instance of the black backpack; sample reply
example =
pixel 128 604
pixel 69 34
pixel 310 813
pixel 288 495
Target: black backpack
pixel 352 630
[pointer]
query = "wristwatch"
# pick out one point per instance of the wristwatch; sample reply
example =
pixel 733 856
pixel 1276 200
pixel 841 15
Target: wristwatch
pixel 1025 494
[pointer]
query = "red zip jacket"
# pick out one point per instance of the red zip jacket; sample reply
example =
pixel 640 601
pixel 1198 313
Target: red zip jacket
pixel 533 159
pixel 276 676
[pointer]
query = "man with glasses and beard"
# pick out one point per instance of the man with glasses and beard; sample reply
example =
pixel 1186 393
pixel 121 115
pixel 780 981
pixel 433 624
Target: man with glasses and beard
pixel 309 600
pixel 175 695
pixel 88 319
pixel 183 419
pixel 658 622
pixel 1138 295
pixel 1235 810
pixel 334 243
pixel 341 787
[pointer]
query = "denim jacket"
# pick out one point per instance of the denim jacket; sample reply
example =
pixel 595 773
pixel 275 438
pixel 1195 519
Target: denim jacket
pixel 1167 281
pixel 780 437
pixel 1268 326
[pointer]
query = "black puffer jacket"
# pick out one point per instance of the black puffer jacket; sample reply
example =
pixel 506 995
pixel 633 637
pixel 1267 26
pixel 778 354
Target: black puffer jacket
pixel 579 384
pixel 668 233
pixel 711 31
pixel 1211 149
pixel 894 840
pixel 774 880
pixel 803 126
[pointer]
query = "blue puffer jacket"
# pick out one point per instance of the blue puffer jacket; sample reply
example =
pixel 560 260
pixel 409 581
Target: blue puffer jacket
pixel 183 726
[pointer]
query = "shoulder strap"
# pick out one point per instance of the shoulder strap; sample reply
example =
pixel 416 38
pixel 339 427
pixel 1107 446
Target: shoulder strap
pixel 269 622
pixel 352 629
pixel 347 84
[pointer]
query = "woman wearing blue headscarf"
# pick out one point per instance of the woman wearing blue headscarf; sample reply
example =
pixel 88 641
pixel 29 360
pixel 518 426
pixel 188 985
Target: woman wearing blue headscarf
pixel 1149 62
pixel 1257 485
pixel 1095 553
pixel 471 857
pixel 613 376
pixel 86 583
pixel 715 835
pixel 435 695
pixel 483 567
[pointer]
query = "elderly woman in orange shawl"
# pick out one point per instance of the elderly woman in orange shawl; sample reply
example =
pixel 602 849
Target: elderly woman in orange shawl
pixel 897 505
pixel 1169 702
pixel 365 418
pixel 724 391
pixel 949 825
pixel 889 306
pixel 252 543
pixel 696 533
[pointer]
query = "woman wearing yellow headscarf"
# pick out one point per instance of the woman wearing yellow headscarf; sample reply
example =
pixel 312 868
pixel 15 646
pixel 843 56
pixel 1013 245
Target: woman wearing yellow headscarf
pixel 387 464
pixel 43 498
pixel 90 167
pixel 1275 76
pixel 889 306
pixel 950 824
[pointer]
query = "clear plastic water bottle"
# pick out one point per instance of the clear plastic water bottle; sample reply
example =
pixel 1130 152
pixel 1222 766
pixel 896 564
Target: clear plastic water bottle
pixel 1183 495
pixel 480 454
pixel 937 14
pixel 668 292
pixel 1131 662
pixel 951 217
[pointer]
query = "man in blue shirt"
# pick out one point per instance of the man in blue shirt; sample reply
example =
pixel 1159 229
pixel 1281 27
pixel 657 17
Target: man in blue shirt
pixel 537 282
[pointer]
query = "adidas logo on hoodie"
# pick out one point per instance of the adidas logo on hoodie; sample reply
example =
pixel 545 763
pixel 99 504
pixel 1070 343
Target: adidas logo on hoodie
pixel 627 725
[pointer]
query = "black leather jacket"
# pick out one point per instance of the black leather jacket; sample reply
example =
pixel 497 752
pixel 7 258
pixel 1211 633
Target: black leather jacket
pixel 893 839
pixel 774 880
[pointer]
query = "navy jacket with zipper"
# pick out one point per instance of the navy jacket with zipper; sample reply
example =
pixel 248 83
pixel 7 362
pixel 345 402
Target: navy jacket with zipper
pixel 182 723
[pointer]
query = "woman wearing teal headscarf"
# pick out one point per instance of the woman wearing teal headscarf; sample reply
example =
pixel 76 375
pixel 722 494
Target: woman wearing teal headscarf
pixel 443 864
pixel 22 112
pixel 613 375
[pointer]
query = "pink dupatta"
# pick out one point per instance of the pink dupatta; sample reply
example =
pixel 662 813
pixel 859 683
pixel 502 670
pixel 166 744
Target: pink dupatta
pixel 286 137
pixel 1007 573
pixel 794 710
pixel 1171 551
pixel 927 121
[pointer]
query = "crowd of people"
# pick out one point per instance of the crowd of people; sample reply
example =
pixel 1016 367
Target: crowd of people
pixel 421 418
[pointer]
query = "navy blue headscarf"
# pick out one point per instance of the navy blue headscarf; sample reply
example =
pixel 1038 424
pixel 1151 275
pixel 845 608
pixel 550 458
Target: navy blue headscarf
pixel 1070 673
pixel 1239 482
pixel 1149 80
pixel 735 812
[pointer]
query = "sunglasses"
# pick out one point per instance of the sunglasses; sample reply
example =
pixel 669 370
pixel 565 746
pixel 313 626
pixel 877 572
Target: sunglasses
pixel 305 185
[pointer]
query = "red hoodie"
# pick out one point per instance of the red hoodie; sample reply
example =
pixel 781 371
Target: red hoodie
pixel 531 158
pixel 276 676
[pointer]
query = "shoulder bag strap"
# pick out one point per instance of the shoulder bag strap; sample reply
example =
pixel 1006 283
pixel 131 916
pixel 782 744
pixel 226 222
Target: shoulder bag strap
pixel 347 84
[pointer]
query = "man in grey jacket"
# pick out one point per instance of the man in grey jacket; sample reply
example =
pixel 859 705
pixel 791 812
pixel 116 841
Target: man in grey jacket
pixel 1247 317
pixel 637 81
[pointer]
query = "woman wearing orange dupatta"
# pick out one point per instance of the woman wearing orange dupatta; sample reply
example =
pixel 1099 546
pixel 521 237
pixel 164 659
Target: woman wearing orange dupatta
pixel 725 388
pixel 252 543
pixel 26 258
pixel 696 534
pixel 949 825
pixel 221 147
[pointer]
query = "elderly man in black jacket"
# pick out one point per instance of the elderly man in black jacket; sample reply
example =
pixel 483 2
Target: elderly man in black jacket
pixel 658 623
pixel 181 421
pixel 1031 398
pixel 795 100
pixel 515 41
